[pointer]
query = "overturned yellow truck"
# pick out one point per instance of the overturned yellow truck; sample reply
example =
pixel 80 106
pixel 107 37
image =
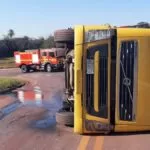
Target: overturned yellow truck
pixel 110 80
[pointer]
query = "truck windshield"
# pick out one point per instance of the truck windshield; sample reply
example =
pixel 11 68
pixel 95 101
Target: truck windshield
pixel 51 54
pixel 44 54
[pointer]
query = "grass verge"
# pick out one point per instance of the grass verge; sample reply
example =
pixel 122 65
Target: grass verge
pixel 7 63
pixel 8 84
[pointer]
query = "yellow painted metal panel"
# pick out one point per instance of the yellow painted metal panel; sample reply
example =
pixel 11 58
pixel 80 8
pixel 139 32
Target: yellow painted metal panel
pixel 94 118
pixel 96 80
pixel 143 86
pixel 131 128
pixel 78 113
pixel 79 84
pixel 87 28
pixel 132 32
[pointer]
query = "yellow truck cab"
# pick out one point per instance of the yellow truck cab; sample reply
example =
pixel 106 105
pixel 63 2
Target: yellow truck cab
pixel 112 79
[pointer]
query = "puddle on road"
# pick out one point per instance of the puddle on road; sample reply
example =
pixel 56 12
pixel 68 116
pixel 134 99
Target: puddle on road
pixel 36 98
pixel 48 121
pixel 30 97
pixel 51 102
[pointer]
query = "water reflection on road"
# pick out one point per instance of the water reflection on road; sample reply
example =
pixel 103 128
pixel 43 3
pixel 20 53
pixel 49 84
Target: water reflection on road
pixel 37 98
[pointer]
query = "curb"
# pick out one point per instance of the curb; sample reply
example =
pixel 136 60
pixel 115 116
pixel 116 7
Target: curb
pixel 11 89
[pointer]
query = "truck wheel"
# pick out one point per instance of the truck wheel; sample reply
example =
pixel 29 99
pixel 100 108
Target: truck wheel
pixel 60 45
pixel 48 68
pixel 64 35
pixel 65 118
pixel 24 68
pixel 64 45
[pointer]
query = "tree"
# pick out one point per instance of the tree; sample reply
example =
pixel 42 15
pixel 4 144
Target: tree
pixel 49 42
pixel 143 24
pixel 11 33
pixel 9 42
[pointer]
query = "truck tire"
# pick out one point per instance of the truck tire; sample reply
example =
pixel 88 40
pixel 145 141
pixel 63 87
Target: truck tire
pixel 60 45
pixel 48 68
pixel 64 45
pixel 65 118
pixel 24 68
pixel 70 45
pixel 64 35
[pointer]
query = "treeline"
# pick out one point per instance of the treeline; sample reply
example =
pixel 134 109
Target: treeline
pixel 9 44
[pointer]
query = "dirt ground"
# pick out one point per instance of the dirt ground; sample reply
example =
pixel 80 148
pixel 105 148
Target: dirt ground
pixel 28 120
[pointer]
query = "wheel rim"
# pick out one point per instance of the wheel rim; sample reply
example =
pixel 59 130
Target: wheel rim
pixel 24 69
pixel 48 68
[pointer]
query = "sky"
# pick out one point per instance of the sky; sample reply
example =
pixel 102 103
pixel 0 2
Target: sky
pixel 39 18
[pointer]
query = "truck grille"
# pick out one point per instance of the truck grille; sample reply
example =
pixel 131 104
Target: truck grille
pixel 128 70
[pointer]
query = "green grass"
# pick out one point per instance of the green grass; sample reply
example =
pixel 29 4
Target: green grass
pixel 7 84
pixel 7 63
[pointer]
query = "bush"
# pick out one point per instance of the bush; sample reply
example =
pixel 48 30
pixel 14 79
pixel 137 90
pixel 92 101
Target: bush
pixel 7 84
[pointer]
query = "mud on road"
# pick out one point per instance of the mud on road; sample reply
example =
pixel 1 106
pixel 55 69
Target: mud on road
pixel 29 122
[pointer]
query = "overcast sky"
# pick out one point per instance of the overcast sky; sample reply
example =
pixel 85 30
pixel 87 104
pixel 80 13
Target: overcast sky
pixel 38 18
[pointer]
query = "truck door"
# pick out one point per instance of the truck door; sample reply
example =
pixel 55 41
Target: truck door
pixel 96 86
pixel 43 57
pixel 95 56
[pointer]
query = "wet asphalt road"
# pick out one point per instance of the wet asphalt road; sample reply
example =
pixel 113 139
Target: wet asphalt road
pixel 29 124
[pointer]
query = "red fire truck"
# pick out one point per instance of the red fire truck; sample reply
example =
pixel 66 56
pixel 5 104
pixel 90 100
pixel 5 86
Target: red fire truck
pixel 42 59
